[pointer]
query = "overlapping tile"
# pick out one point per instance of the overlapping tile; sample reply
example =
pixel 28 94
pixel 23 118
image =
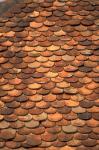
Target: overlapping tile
pixel 49 76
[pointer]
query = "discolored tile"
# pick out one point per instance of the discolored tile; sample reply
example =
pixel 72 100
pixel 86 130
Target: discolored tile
pixel 3 93
pixel 70 116
pixel 33 140
pixel 78 122
pixel 22 34
pixel 64 137
pixel 4 125
pixel 48 137
pixel 89 142
pixel 64 110
pixel 85 116
pixel 86 22
pixel 58 143
pixel 80 28
pixel 40 117
pixel 32 124
pixel 70 90
pixel 95 116
pixel 9 132
pixel 86 104
pixel 12 144
pixel 69 129
pixel 85 69
pixel 86 33
pixel 74 143
pixel 21 98
pixel 43 91
pixel 10 118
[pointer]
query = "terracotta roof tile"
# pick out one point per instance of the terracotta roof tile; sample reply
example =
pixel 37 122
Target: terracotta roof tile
pixel 9 132
pixel 69 129
pixel 55 117
pixel 33 140
pixel 70 116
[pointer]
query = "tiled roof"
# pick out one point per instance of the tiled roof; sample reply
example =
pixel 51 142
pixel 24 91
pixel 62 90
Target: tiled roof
pixel 5 5
pixel 49 76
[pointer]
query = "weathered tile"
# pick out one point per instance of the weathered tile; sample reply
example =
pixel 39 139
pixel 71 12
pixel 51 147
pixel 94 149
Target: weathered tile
pixel 40 117
pixel 85 116
pixel 48 137
pixel 89 142
pixel 4 125
pixel 9 132
pixel 33 140
pixel 32 124
pixel 69 129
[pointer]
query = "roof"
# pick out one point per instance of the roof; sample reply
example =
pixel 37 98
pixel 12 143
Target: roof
pixel 49 75
pixel 6 5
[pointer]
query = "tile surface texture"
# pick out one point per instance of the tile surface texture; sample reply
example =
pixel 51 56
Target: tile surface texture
pixel 49 74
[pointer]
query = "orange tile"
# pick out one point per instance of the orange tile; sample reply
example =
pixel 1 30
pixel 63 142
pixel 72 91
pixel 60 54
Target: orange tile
pixel 55 117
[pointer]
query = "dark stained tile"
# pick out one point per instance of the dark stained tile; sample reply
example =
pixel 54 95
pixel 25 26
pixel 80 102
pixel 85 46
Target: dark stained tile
pixel 85 116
